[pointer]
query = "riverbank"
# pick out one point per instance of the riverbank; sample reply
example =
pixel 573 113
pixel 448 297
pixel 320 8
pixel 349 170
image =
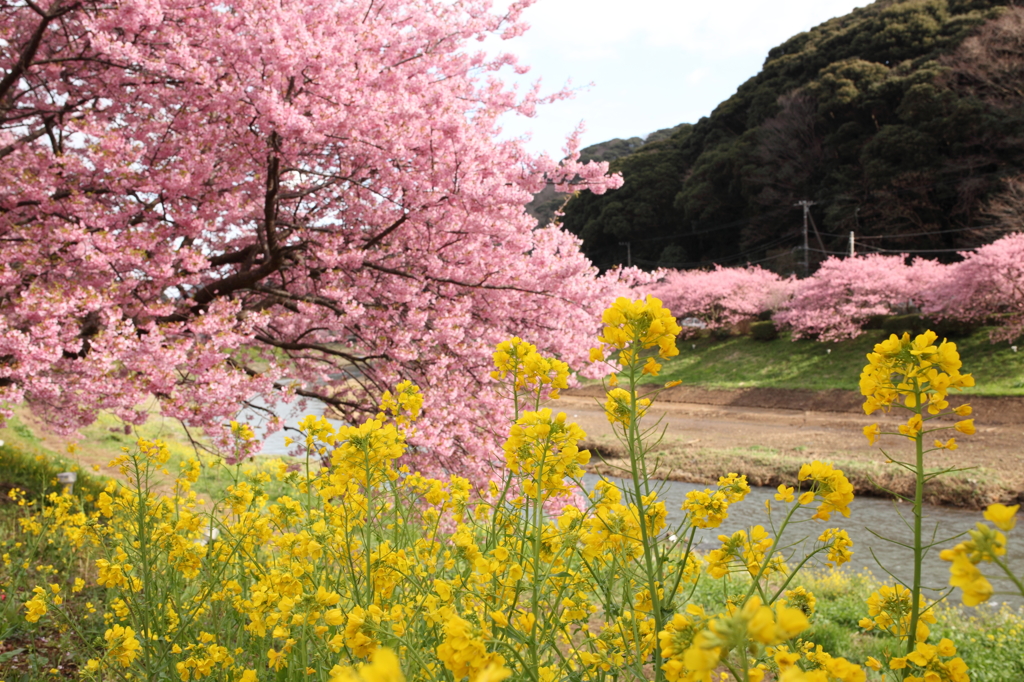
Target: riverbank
pixel 767 467
pixel 767 434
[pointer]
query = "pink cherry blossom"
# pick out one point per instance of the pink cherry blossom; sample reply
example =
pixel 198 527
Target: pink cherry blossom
pixel 835 302
pixel 987 285
pixel 208 202
pixel 723 296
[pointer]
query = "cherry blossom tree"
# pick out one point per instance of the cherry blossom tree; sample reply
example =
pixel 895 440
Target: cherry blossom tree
pixel 208 202
pixel 723 296
pixel 834 303
pixel 987 285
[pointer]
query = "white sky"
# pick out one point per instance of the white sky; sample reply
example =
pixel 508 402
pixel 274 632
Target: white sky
pixel 653 63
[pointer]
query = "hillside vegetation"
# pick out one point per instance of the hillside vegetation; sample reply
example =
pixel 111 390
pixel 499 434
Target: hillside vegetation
pixel 902 121
pixel 742 362
pixel 548 201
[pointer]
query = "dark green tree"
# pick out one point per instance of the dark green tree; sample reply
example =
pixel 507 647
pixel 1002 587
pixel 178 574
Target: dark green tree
pixel 899 120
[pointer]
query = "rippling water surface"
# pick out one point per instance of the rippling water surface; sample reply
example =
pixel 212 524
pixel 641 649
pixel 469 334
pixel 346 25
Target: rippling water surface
pixel 867 514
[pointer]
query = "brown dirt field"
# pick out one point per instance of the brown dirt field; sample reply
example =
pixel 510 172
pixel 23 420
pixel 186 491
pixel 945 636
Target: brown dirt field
pixel 767 433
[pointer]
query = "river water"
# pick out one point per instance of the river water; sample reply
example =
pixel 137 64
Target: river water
pixel 291 414
pixel 868 516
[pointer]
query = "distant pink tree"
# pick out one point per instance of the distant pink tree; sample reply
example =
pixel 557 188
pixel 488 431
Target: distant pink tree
pixel 721 297
pixel 207 202
pixel 835 302
pixel 988 284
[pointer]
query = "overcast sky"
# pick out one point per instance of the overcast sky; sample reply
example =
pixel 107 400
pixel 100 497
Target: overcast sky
pixel 653 63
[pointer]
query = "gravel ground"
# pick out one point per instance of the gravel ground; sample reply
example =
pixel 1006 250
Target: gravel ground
pixel 767 433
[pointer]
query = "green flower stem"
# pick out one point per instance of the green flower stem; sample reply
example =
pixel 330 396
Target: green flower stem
pixel 1009 574
pixel 500 502
pixel 919 480
pixel 756 582
pixel 682 571
pixel 144 536
pixel 638 469
pixel 537 536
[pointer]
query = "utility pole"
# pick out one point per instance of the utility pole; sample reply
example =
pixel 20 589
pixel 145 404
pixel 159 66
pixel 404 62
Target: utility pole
pixel 629 253
pixel 856 222
pixel 807 210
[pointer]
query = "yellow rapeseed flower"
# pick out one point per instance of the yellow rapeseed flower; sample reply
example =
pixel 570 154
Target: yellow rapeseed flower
pixel 831 486
pixel 1004 517
pixel 872 432
pixel 640 325
pixel 617 407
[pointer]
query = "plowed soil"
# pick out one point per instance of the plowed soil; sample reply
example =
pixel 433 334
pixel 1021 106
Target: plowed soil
pixel 768 433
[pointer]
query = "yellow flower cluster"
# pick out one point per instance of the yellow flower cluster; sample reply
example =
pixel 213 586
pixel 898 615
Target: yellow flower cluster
pixel 676 638
pixel 820 666
pixel 528 371
pixel 404 406
pixel 801 598
pixel 918 371
pixel 824 668
pixel 122 646
pixel 925 663
pixel 619 406
pixel 828 485
pixel 754 625
pixel 364 453
pixel 986 544
pixel 464 649
pixel 708 508
pixel 749 550
pixel 613 530
pixel 543 450
pixel 633 326
pixel 840 546
pixel 915 374
pixel 890 609
pixel 242 431
pixel 35 608
pixel 203 658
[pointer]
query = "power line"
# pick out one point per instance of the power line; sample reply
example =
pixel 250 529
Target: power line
pixel 921 234
pixel 710 230
pixel 739 256
pixel 909 251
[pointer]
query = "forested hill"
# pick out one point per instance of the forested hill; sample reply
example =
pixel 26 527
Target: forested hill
pixel 548 201
pixel 903 121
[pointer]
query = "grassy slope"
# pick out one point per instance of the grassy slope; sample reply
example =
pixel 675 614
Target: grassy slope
pixel 742 362
pixel 25 438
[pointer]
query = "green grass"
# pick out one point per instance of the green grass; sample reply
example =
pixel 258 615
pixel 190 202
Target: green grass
pixel 107 432
pixel 990 638
pixel 26 461
pixel 34 469
pixel 741 362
